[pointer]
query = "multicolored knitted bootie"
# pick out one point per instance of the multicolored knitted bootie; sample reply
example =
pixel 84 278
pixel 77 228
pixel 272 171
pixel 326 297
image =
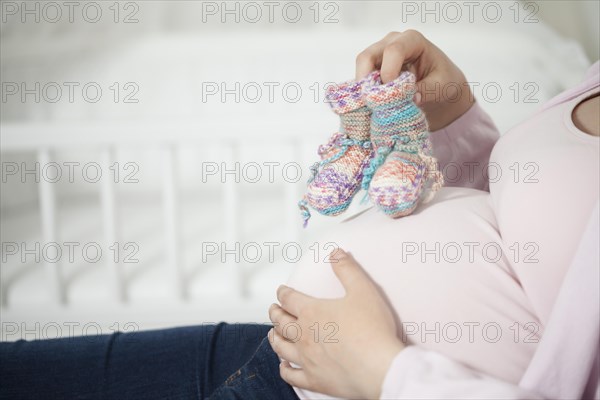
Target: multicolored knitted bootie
pixel 402 171
pixel 338 176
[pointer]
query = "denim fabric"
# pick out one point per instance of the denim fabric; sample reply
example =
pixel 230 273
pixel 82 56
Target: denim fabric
pixel 221 361
pixel 258 379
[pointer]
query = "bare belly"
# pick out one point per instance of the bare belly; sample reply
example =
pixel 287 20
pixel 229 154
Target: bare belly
pixel 448 277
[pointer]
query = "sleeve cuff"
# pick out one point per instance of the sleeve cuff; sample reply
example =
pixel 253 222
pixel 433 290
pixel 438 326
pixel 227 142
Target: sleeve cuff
pixel 467 142
pixel 402 366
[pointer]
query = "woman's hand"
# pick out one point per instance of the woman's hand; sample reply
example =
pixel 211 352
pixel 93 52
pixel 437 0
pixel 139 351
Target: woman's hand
pixel 344 346
pixel 442 89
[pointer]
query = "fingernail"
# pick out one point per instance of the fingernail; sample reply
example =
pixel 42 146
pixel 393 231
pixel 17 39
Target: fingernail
pixel 417 97
pixel 337 255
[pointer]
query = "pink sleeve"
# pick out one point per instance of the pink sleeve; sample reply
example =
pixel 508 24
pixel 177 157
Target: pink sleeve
pixel 463 148
pixel 417 373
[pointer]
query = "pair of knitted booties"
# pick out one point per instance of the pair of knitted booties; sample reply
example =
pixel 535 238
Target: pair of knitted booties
pixel 382 146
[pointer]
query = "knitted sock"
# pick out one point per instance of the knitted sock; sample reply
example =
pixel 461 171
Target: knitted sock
pixel 337 177
pixel 402 166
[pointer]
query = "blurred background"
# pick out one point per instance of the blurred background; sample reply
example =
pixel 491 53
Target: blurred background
pixel 153 152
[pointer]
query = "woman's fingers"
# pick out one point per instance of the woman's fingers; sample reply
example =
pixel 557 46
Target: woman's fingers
pixel 284 348
pixel 293 376
pixel 369 59
pixel 390 54
pixel 442 90
pixel 403 48
pixel 292 300
pixel 282 321
pixel 350 273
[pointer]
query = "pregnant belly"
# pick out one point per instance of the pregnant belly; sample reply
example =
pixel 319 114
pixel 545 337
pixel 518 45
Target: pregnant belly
pixel 447 276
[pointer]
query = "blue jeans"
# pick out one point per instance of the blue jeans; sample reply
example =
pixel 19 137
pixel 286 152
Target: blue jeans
pixel 200 362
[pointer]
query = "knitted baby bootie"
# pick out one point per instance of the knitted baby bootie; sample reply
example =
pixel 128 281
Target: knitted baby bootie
pixel 337 177
pixel 402 171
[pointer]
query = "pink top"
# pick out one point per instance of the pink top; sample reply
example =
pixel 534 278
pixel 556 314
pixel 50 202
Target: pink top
pixel 474 277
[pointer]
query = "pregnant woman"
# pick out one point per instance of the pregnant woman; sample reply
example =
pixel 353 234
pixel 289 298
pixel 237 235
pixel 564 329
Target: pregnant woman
pixel 478 294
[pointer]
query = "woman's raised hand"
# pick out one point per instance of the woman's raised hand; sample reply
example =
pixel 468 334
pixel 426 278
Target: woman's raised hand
pixel 442 89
